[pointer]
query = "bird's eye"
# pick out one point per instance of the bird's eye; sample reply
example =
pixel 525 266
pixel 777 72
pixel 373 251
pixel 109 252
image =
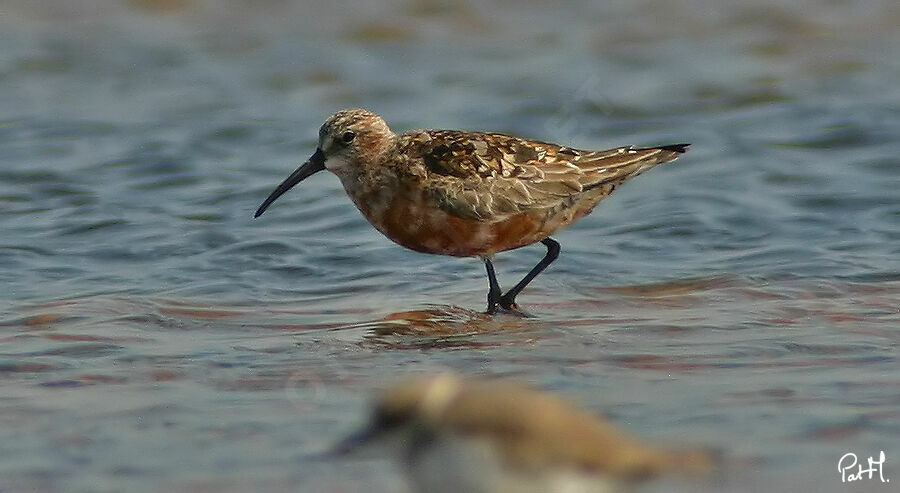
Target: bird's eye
pixel 348 137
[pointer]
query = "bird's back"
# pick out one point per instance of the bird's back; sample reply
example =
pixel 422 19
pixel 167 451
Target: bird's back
pixel 490 176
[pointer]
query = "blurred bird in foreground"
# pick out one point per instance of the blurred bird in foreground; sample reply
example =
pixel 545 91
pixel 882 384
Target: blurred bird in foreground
pixel 456 434
pixel 468 194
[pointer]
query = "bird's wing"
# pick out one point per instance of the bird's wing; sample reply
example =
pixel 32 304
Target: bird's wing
pixel 492 176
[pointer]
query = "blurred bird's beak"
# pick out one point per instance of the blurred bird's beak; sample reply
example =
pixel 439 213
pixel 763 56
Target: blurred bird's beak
pixel 355 443
pixel 313 165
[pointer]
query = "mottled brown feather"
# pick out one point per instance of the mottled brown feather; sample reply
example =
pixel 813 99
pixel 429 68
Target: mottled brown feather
pixel 489 176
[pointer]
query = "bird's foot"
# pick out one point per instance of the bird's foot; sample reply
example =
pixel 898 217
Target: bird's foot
pixel 508 303
pixel 513 311
pixel 505 305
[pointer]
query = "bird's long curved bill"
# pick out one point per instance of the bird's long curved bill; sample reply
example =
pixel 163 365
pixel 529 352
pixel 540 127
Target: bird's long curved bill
pixel 315 164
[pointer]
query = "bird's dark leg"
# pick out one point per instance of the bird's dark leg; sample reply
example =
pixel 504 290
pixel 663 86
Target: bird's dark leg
pixel 494 292
pixel 508 300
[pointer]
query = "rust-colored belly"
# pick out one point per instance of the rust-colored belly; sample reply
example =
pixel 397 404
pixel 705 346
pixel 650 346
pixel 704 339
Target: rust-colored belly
pixel 415 222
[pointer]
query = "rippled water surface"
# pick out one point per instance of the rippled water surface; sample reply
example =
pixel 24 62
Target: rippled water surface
pixel 155 337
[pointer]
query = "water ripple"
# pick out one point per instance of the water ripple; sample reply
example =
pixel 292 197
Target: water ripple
pixel 152 332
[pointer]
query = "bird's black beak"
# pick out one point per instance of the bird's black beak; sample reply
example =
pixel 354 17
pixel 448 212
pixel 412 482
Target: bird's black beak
pixel 313 165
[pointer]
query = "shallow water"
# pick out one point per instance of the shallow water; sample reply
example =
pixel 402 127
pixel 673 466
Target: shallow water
pixel 155 337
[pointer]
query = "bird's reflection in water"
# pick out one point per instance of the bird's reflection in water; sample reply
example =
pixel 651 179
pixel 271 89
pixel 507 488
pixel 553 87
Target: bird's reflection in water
pixel 443 326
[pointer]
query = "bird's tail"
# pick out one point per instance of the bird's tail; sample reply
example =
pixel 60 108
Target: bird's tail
pixel 617 165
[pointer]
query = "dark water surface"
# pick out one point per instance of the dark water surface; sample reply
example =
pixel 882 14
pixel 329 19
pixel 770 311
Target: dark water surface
pixel 154 337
